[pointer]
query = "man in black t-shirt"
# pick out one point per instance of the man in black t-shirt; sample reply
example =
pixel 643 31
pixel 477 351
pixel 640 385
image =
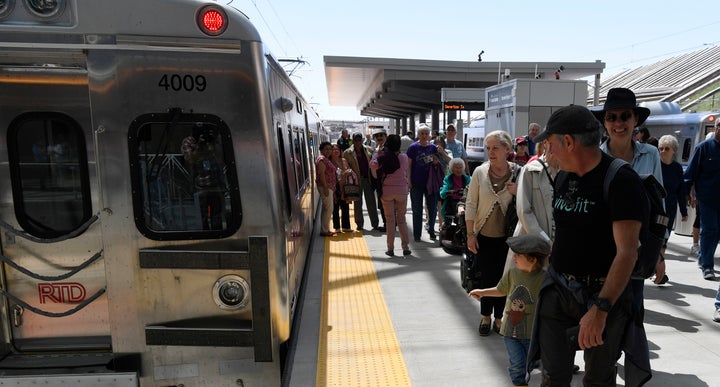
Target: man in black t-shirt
pixel 344 140
pixel 593 255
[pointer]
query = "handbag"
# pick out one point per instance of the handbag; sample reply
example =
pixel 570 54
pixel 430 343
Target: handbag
pixel 511 217
pixel 351 188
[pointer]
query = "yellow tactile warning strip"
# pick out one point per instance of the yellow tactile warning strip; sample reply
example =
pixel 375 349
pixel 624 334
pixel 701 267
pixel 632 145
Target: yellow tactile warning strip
pixel 358 346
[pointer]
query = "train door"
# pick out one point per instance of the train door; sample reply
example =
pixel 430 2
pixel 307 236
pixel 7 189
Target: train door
pixel 53 271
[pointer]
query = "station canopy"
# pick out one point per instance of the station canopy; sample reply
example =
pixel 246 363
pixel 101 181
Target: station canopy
pixel 399 88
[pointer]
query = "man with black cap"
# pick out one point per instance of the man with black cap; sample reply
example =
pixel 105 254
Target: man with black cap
pixel 593 255
pixel 358 157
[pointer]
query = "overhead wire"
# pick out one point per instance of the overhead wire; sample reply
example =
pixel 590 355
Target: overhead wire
pixel 636 44
pixel 269 29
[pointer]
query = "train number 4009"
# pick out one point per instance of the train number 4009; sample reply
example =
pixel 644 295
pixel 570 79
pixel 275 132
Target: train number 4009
pixel 179 82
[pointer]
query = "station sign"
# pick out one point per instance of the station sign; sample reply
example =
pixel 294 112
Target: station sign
pixel 501 96
pixel 474 106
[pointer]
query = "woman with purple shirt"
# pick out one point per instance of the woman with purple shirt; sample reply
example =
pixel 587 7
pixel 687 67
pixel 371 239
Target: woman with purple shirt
pixel 420 156
pixel 394 167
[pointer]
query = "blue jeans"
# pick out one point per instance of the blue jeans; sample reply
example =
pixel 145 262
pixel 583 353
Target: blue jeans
pixel 416 198
pixel 709 235
pixel 517 353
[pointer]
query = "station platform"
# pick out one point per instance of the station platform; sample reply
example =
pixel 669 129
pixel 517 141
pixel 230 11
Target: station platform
pixel 372 320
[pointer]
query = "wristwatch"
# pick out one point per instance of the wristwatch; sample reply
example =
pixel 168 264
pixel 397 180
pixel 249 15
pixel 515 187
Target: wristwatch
pixel 603 304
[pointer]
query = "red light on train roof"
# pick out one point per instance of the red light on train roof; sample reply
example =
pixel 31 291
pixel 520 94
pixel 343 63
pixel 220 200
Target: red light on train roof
pixel 212 20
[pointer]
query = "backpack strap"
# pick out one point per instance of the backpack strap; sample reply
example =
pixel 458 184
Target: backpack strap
pixel 615 166
pixel 545 168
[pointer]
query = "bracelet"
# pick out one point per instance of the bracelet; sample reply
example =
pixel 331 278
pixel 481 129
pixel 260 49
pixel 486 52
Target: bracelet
pixel 471 233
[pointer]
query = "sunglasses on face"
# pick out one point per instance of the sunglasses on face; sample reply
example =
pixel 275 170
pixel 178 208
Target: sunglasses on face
pixel 612 117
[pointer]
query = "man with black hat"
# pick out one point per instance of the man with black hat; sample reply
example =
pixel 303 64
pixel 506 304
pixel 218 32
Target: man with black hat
pixel 593 255
pixel 358 157
pixel 620 116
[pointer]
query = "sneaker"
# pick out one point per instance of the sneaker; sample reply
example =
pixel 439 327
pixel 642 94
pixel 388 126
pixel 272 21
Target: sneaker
pixel 708 274
pixel 390 253
pixel 716 315
pixel 694 250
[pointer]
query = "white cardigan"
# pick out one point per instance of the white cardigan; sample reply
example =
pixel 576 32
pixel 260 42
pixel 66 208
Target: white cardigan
pixel 481 197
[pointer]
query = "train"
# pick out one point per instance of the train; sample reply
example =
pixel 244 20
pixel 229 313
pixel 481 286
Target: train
pixel 689 128
pixel 474 142
pixel 158 202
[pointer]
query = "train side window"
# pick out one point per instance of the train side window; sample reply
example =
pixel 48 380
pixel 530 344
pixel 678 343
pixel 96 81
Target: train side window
pixel 305 161
pixel 686 150
pixel 183 177
pixel 284 168
pixel 49 173
pixel 295 162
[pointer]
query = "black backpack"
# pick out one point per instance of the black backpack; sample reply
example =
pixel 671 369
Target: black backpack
pixel 654 227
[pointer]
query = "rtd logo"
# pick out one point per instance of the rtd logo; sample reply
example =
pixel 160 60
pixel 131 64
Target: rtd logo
pixel 61 292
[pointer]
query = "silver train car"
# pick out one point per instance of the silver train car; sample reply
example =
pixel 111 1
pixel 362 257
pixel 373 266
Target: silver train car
pixel 158 195
pixel 689 128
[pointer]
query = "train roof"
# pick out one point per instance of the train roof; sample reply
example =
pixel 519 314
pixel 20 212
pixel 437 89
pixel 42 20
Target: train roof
pixel 161 18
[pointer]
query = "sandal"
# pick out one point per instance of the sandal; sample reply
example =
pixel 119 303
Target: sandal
pixel 484 329
pixel 496 328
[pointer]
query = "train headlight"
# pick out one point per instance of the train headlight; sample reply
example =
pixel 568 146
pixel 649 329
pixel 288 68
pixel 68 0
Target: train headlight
pixel 45 8
pixel 231 292
pixel 212 20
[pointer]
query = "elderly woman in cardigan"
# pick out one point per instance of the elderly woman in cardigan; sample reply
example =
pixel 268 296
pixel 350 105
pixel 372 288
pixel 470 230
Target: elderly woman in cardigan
pixel 490 192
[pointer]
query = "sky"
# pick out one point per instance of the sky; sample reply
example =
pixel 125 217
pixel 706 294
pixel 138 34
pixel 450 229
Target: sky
pixel 622 34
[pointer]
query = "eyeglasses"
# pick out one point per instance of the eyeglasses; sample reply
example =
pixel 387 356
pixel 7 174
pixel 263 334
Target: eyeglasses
pixel 624 116
pixel 664 148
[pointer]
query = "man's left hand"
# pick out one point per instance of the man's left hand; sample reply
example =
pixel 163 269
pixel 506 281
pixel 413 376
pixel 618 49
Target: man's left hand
pixel 592 325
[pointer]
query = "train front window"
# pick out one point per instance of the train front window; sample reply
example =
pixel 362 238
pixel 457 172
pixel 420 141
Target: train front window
pixel 50 179
pixel 183 176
